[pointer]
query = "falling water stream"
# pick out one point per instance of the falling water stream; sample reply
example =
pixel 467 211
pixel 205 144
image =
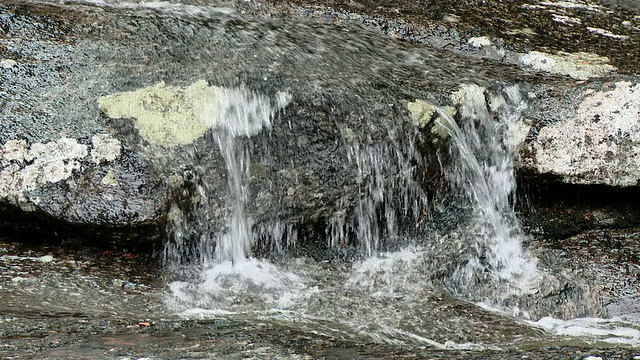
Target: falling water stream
pixel 404 283
pixel 397 296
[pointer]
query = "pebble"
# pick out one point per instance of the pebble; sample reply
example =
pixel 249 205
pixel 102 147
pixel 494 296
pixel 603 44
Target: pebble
pixel 7 63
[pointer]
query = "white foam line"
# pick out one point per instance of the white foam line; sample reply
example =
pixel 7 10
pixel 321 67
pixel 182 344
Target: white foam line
pixel 607 33
pixel 571 5
pixel 614 330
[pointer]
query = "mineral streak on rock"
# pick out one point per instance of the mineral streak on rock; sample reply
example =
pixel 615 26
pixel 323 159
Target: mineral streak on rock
pixel 600 144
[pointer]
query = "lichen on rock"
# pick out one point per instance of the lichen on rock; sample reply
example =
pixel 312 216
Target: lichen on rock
pixel 581 65
pixel 166 115
pixel 421 112
pixel 7 63
pixel 26 167
pixel 105 148
pixel 171 116
pixel 600 144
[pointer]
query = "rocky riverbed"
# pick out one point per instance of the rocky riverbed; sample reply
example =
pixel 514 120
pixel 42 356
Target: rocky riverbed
pixel 97 304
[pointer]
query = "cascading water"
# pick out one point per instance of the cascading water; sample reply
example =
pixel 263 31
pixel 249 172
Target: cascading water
pixel 482 171
pixel 241 116
pixel 226 266
pixel 384 297
pixel 388 195
pixel 406 282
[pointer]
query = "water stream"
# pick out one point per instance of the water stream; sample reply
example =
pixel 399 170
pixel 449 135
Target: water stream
pixel 483 174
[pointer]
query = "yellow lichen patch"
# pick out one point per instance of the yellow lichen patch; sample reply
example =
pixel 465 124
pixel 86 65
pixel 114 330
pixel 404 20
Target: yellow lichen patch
pixel 524 31
pixel 420 112
pixel 166 115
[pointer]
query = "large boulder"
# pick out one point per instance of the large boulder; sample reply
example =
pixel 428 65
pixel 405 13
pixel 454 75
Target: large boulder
pixel 109 132
pixel 110 114
pixel 596 142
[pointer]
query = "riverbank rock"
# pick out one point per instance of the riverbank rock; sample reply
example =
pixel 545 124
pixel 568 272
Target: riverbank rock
pixel 599 143
pixel 110 133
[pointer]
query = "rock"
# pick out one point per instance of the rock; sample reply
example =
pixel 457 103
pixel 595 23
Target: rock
pixel 91 146
pixel 46 259
pixel 580 66
pixel 598 144
pixel 7 63
pixel 113 130
pixel 421 112
pixel 166 115
pixel 25 168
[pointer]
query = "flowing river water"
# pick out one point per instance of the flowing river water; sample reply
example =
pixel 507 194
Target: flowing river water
pixel 439 293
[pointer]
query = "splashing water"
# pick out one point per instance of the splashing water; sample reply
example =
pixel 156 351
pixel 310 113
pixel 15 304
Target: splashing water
pixel 241 115
pixel 388 196
pixel 227 269
pixel 484 173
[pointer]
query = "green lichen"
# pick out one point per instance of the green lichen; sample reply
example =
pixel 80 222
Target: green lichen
pixel 580 65
pixel 421 112
pixel 166 115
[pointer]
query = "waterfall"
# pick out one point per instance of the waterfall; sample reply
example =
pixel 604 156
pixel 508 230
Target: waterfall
pixel 388 196
pixel 225 269
pixel 242 115
pixel 482 172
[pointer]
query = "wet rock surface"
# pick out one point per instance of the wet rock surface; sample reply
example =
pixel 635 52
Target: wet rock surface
pixel 77 171
pixel 105 304
pixel 507 32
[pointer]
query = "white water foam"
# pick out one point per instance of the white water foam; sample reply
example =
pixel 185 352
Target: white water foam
pixel 617 330
pixel 387 274
pixel 229 279
pixel 485 173
pixel 166 7
pixel 244 286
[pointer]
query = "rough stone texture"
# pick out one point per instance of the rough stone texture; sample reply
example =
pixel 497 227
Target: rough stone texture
pixel 348 88
pixel 421 112
pixel 501 31
pixel 580 66
pixel 599 144
pixel 25 168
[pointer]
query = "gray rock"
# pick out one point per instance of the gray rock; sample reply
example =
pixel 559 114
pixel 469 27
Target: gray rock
pixel 596 143
pixel 71 152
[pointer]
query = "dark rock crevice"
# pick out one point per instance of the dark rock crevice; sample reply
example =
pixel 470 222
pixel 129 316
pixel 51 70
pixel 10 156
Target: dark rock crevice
pixel 38 227
pixel 552 210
